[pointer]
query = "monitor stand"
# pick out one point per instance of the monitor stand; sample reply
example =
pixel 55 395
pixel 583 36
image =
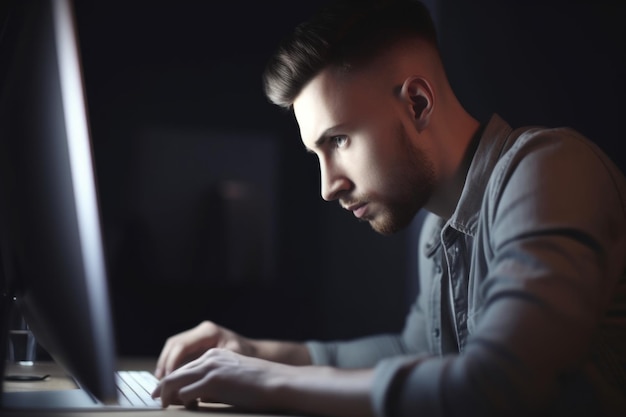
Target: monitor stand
pixel 72 399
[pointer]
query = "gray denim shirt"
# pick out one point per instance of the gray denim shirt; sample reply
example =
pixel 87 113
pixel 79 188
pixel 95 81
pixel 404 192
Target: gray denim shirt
pixel 522 301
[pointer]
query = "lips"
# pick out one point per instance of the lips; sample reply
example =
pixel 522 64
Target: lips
pixel 357 209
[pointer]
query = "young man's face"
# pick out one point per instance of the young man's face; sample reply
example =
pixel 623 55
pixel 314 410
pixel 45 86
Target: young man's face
pixel 366 148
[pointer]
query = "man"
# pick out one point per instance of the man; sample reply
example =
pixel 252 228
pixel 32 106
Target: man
pixel 521 308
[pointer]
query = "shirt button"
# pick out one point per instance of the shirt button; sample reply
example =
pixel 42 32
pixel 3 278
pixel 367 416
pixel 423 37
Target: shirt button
pixel 438 269
pixel 436 332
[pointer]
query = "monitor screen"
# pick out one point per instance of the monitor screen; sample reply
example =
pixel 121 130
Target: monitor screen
pixel 53 262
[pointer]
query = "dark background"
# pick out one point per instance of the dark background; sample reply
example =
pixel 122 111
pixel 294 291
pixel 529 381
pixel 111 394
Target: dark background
pixel 195 167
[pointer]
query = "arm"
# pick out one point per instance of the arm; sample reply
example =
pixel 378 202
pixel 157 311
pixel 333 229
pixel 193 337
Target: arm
pixel 289 353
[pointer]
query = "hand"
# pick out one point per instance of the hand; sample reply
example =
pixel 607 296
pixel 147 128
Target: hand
pixel 221 375
pixel 192 343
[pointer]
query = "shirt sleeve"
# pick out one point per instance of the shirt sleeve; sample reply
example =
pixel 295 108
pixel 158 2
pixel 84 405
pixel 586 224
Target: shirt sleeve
pixel 366 352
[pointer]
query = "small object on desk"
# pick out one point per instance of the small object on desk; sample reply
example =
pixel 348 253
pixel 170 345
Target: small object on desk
pixel 22 346
pixel 26 378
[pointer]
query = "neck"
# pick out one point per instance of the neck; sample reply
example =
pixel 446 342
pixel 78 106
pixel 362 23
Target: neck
pixel 453 131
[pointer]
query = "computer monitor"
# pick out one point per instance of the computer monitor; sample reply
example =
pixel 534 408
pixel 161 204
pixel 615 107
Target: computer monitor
pixel 53 262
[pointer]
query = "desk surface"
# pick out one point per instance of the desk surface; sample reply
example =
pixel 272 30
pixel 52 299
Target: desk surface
pixel 58 380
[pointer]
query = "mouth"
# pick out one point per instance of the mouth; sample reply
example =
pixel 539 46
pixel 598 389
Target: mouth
pixel 357 209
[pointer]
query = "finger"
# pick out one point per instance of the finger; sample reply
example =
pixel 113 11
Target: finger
pixel 188 367
pixel 173 353
pixel 192 405
pixel 174 358
pixel 159 370
pixel 163 359
pixel 156 392
pixel 169 387
pixel 199 389
pixel 188 345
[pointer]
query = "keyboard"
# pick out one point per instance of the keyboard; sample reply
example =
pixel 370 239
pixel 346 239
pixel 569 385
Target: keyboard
pixel 135 389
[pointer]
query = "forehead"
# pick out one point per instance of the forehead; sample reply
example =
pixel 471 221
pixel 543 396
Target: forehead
pixel 334 99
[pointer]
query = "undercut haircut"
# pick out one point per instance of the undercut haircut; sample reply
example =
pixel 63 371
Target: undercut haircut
pixel 343 35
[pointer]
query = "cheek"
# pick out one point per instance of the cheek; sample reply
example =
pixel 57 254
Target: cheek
pixel 372 173
pixel 375 157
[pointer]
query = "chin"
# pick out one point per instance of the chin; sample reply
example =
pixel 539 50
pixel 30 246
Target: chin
pixel 389 224
pixel 386 227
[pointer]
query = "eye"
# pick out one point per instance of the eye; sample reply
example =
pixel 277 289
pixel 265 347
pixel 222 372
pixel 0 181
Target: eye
pixel 339 141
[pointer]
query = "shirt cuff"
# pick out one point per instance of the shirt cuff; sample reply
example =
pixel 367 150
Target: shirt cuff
pixel 322 354
pixel 386 375
pixel 406 385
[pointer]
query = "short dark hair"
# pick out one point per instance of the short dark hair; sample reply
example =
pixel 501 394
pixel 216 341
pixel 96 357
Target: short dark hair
pixel 343 34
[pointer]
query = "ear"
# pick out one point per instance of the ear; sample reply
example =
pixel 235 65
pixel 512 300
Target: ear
pixel 418 94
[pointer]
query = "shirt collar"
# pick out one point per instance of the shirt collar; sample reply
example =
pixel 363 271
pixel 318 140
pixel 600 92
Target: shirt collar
pixel 491 144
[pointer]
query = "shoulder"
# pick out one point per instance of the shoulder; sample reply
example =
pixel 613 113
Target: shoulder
pixel 549 178
pixel 542 142
pixel 540 156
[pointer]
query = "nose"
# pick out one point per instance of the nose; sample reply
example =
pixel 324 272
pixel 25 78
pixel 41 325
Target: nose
pixel 333 181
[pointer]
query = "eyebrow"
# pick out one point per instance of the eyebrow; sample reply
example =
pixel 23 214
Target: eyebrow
pixel 326 134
